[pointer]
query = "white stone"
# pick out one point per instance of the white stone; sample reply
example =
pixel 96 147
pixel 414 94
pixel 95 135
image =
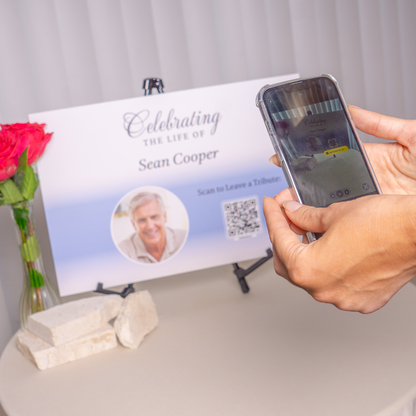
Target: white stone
pixel 69 321
pixel 137 317
pixel 47 356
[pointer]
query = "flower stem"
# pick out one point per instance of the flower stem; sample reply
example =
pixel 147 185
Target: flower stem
pixel 40 306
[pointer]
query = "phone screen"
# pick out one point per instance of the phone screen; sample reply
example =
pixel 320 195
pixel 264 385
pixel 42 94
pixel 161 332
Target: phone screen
pixel 319 145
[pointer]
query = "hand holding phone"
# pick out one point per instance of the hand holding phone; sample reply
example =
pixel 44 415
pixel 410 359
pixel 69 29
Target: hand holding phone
pixel 365 257
pixel 316 142
pixel 368 252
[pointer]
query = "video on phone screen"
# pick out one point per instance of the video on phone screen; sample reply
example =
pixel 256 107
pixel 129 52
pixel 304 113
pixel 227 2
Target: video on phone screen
pixel 318 143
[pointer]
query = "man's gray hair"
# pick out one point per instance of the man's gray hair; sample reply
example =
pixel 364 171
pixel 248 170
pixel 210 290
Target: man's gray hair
pixel 142 199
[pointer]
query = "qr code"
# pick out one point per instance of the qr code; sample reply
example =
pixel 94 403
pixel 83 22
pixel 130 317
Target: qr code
pixel 242 218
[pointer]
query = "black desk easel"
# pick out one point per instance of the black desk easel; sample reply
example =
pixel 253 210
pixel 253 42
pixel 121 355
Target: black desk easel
pixel 242 273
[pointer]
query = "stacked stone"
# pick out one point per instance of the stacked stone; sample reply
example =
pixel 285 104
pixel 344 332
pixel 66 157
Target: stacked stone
pixel 81 328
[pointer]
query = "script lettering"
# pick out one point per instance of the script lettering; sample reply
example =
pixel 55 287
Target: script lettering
pixel 136 124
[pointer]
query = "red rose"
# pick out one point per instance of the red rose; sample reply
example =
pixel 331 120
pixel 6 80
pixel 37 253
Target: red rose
pixel 29 135
pixel 9 154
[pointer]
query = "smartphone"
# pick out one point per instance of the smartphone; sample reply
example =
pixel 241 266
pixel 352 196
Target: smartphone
pixel 316 142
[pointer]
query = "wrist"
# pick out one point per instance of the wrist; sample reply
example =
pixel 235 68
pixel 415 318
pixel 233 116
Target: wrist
pixel 412 217
pixel 409 225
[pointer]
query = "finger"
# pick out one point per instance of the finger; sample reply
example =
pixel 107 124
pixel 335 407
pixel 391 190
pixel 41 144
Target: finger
pixel 298 231
pixel 284 240
pixel 384 127
pixel 293 227
pixel 316 220
pixel 284 195
pixel 279 267
pixel 274 160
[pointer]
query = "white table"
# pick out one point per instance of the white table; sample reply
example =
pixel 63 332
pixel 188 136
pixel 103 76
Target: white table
pixel 274 351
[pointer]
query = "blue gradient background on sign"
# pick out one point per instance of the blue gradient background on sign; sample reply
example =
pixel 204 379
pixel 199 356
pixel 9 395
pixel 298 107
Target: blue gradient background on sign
pixel 82 230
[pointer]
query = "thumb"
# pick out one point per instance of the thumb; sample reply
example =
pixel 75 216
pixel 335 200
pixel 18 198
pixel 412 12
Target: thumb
pixel 285 241
pixel 307 217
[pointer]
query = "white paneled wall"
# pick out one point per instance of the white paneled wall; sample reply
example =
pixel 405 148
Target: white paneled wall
pixel 281 48
pixel 407 30
pixel 372 53
pixel 17 87
pixel 62 53
pixel 78 52
pixel 201 41
pixel 5 322
pixel 392 59
pixel 45 55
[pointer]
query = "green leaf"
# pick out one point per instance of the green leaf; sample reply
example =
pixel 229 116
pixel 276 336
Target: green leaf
pixel 36 279
pixel 29 183
pixel 22 225
pixel 21 169
pixel 10 193
pixel 20 212
pixel 21 216
pixel 23 160
pixel 30 250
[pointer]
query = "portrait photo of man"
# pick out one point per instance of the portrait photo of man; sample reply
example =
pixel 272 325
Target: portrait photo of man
pixel 152 240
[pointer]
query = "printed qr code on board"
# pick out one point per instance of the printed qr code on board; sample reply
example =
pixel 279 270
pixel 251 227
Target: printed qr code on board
pixel 242 218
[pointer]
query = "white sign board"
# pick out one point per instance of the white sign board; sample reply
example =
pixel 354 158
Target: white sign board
pixel 202 152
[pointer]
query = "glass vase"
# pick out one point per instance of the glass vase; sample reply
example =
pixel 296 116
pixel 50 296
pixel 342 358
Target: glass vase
pixel 38 294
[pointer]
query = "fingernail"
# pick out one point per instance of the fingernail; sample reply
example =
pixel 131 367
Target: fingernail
pixel 291 206
pixel 271 160
pixel 350 105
